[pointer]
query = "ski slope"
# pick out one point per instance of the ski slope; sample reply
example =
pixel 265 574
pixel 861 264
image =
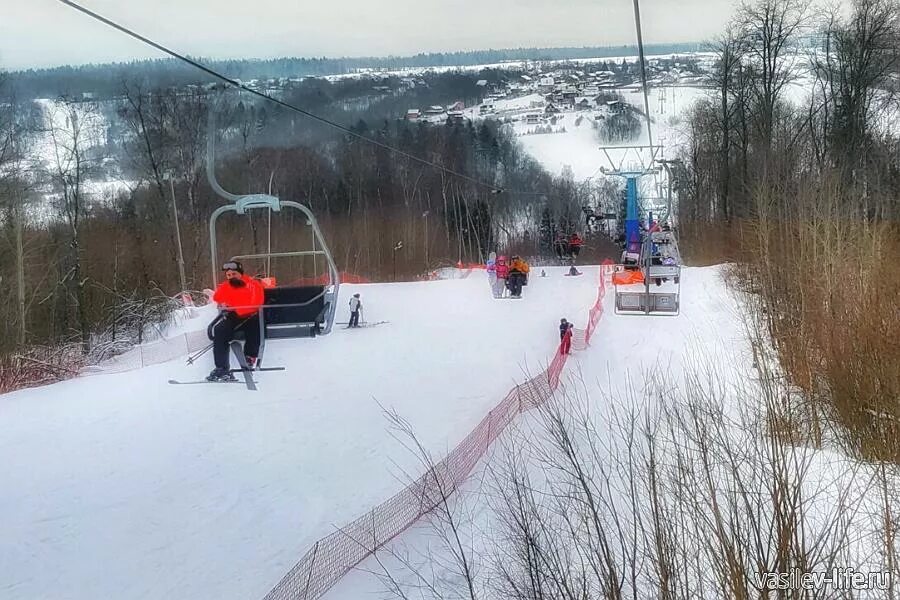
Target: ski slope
pixel 628 355
pixel 122 486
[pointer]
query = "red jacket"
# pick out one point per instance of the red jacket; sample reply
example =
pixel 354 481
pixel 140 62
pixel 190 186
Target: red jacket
pixel 244 300
pixel 566 344
pixel 576 240
pixel 502 268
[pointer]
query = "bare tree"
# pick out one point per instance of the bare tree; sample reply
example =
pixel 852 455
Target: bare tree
pixel 71 127
pixel 855 74
pixel 770 29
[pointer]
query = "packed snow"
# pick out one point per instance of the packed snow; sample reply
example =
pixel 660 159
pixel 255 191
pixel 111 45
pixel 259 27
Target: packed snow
pixel 133 488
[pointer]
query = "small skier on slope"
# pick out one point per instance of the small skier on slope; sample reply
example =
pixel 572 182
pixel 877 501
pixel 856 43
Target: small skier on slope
pixel 491 267
pixel 239 297
pixel 502 273
pixel 355 307
pixel 565 346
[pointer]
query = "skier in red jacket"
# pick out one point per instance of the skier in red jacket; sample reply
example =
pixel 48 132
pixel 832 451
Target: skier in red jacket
pixel 239 297
pixel 566 345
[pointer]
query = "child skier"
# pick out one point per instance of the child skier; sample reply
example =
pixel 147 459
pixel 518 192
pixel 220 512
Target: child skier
pixel 355 307
pixel 502 270
pixel 566 346
pixel 563 327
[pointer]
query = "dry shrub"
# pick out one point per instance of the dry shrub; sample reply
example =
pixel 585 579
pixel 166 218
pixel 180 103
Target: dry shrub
pixel 827 287
pixel 39 366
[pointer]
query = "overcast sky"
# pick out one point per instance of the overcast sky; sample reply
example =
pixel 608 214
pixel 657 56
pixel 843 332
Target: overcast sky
pixel 39 33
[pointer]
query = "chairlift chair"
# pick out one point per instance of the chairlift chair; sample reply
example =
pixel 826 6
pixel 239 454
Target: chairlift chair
pixel 648 302
pixel 291 311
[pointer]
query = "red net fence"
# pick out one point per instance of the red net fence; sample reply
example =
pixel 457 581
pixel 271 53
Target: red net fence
pixel 335 555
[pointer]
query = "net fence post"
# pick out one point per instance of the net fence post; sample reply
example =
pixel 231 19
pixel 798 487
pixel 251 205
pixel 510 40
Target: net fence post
pixel 312 564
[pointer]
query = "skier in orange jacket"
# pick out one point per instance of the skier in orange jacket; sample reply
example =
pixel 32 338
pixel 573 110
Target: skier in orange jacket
pixel 239 297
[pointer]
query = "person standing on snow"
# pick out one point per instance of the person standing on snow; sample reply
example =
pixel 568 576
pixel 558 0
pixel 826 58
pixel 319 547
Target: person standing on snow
pixel 502 270
pixel 565 346
pixel 239 297
pixel 518 276
pixel 563 327
pixel 355 307
pixel 491 267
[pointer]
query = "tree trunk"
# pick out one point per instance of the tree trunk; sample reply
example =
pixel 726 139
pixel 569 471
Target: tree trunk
pixel 20 274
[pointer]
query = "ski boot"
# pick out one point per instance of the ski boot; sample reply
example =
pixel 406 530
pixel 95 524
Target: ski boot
pixel 220 375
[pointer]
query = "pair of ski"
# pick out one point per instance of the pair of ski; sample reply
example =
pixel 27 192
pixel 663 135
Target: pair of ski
pixel 365 324
pixel 238 351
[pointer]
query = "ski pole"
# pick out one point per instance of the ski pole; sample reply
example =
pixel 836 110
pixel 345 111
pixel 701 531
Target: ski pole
pixel 191 359
pixel 200 353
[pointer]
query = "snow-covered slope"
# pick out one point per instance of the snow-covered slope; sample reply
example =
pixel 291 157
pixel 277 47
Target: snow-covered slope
pixel 122 486
pixel 628 354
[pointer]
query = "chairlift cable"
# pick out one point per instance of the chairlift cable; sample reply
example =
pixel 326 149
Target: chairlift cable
pixel 640 41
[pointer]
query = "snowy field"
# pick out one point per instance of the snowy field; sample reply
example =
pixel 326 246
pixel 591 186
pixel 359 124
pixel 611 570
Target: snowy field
pixel 122 486
pixel 579 147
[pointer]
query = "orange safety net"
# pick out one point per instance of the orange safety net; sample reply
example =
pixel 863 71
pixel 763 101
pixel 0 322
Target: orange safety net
pixel 627 277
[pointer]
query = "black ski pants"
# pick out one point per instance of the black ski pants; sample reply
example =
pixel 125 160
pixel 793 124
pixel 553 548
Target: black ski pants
pixel 223 334
pixel 354 318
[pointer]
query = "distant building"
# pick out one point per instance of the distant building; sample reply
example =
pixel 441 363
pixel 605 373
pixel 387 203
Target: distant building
pixel 459 105
pixel 481 82
pixel 413 114
pixel 533 118
pixel 551 109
